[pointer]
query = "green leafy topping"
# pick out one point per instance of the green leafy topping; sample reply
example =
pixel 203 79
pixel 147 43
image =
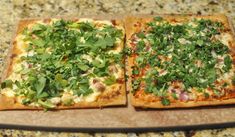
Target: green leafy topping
pixel 227 63
pixel 135 71
pixel 58 61
pixel 216 92
pixel 233 80
pixel 179 52
pixel 135 85
pixel 46 104
pixel 39 85
pixel 6 84
pixel 165 101
pixel 110 80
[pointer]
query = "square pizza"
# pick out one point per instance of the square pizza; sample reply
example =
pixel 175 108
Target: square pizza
pixel 65 63
pixel 180 61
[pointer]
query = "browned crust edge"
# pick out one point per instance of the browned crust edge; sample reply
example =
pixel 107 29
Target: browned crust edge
pixel 9 103
pixel 130 29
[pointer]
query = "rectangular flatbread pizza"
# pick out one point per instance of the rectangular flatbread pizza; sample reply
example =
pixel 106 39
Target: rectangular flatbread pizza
pixel 180 61
pixel 65 63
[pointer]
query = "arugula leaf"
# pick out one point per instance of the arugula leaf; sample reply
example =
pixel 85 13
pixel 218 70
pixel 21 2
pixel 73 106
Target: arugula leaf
pixel 40 85
pixel 59 79
pixel 26 101
pixel 104 43
pixel 7 84
pixel 38 42
pixel 73 25
pixel 85 26
pixel 46 104
pixel 110 80
pixel 38 27
pixel 84 89
pixel 109 41
pixel 43 95
pixel 199 42
pixel 83 67
pixel 98 63
pixel 140 35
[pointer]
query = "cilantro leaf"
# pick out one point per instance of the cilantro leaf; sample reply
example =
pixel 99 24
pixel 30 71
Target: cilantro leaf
pixel 227 63
pixel 165 101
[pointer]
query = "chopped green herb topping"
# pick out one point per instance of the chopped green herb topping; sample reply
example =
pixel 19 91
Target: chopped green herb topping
pixel 186 52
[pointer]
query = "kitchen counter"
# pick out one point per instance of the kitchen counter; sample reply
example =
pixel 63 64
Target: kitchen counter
pixel 13 10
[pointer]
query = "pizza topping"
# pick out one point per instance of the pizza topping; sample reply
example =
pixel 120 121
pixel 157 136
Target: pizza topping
pixel 194 53
pixel 55 100
pixel 66 55
pixel 184 96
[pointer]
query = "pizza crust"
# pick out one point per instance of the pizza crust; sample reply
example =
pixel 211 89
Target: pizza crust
pixel 10 103
pixel 135 23
pixel 118 97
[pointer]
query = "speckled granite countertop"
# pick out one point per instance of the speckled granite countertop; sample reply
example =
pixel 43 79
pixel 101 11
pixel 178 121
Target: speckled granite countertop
pixel 13 10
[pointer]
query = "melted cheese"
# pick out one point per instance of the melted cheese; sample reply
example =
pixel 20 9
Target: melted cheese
pixel 55 100
pixel 92 97
pixel 118 74
pixel 15 77
pixel 192 24
pixel 82 40
pixel 78 99
pixel 183 41
pixel 85 20
pixel 224 38
pixel 21 44
pixel 8 92
pixel 104 22
pixel 227 76
pixel 20 98
pixel 87 57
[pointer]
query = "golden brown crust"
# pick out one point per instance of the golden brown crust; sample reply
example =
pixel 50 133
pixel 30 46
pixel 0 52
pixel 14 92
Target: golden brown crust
pixel 134 24
pixel 140 103
pixel 10 103
pixel 107 98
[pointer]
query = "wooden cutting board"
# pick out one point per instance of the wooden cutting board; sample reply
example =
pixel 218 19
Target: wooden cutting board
pixel 125 117
pixel 120 117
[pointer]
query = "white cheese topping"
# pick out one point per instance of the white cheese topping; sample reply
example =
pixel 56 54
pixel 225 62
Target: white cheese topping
pixel 92 97
pixel 224 38
pixel 87 57
pixel 8 92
